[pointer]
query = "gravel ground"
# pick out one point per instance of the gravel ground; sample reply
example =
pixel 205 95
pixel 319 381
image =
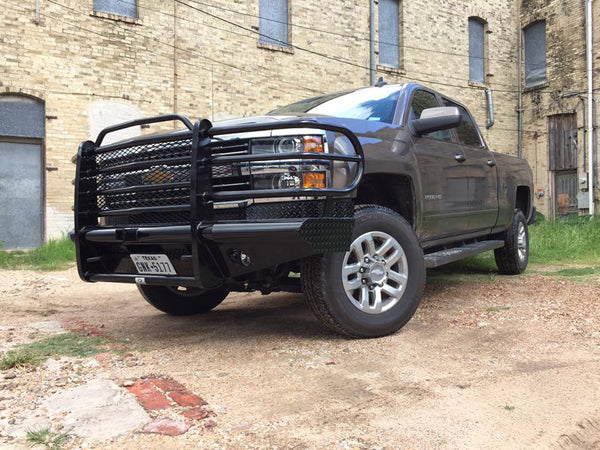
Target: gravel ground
pixel 511 362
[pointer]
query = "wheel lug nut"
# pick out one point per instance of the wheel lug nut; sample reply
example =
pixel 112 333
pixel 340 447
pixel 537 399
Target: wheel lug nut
pixel 367 260
pixel 364 281
pixel 362 270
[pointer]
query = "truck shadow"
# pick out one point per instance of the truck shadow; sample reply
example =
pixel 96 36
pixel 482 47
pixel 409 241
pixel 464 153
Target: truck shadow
pixel 238 318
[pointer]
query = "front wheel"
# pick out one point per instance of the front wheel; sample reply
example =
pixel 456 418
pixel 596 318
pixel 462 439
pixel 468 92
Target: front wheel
pixel 374 288
pixel 182 301
pixel 512 259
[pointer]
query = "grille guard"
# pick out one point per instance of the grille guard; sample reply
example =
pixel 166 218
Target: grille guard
pixel 202 196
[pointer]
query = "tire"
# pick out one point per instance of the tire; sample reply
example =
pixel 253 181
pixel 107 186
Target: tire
pixel 512 259
pixel 179 301
pixel 394 268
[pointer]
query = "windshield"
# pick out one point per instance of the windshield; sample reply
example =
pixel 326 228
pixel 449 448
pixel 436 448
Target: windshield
pixel 377 103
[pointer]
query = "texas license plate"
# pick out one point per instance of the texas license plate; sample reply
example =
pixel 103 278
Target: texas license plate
pixel 153 264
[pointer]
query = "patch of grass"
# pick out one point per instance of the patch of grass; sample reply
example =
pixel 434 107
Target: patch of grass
pixel 66 344
pixel 509 407
pixel 56 254
pixel 48 438
pixel 576 240
pixel 576 272
pixel 559 242
pixel 497 308
pixel 13 359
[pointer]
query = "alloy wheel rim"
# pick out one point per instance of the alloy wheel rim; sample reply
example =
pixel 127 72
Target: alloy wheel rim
pixel 375 272
pixel 522 242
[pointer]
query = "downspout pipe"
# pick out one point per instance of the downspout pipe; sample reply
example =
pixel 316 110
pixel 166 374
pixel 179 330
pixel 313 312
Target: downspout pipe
pixel 520 100
pixel 372 41
pixel 490 105
pixel 590 94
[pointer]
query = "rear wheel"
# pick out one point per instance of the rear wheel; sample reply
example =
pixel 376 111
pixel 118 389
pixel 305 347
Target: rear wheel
pixel 182 301
pixel 374 288
pixel 512 259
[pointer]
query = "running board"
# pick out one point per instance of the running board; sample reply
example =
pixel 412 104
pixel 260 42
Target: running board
pixel 454 254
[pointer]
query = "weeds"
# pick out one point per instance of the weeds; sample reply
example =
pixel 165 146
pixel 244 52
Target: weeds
pixel 48 438
pixel 497 308
pixel 66 344
pixel 14 358
pixel 54 255
pixel 575 240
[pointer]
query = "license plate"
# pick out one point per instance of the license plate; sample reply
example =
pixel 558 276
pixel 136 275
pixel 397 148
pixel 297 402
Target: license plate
pixel 153 264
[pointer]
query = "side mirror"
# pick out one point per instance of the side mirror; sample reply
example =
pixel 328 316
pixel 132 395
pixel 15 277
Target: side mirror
pixel 436 119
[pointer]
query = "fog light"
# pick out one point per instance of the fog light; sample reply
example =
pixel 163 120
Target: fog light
pixel 315 180
pixel 287 181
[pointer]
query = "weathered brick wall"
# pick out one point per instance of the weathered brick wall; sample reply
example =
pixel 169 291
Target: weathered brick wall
pixel 566 88
pixel 174 58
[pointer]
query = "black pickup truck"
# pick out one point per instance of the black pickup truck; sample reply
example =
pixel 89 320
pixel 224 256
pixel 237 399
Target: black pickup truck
pixel 358 192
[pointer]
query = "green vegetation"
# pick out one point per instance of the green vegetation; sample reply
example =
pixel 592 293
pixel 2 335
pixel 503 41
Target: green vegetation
pixel 497 308
pixel 66 344
pixel 568 244
pixel 576 240
pixel 56 254
pixel 48 438
pixel 509 407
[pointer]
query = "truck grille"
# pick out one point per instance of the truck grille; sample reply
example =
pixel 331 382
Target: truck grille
pixel 142 184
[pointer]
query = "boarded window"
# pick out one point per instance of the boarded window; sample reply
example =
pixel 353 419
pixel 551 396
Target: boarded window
pixel 127 8
pixel 562 142
pixel 476 50
pixel 389 33
pixel 273 22
pixel 535 54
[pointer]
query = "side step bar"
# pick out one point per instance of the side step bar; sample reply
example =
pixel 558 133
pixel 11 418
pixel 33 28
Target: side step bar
pixel 442 257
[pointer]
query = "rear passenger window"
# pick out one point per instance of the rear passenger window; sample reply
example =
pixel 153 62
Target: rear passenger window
pixel 467 131
pixel 421 101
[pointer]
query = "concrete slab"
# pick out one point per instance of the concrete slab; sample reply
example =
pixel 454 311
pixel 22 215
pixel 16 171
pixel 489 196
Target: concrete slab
pixel 48 326
pixel 98 410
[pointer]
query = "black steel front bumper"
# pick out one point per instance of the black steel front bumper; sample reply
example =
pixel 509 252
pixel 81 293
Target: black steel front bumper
pixel 206 245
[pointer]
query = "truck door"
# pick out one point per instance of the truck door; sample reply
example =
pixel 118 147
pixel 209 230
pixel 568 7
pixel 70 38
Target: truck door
pixel 444 191
pixel 480 172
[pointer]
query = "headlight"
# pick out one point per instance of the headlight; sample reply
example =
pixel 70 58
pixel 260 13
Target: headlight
pixel 289 144
pixel 291 173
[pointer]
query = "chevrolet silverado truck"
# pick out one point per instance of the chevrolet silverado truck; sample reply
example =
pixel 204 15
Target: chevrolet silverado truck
pixel 348 198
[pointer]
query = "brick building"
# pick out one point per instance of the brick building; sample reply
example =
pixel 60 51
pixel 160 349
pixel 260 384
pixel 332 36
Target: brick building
pixel 72 67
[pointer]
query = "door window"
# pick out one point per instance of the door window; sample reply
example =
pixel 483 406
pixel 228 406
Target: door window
pixel 467 130
pixel 421 101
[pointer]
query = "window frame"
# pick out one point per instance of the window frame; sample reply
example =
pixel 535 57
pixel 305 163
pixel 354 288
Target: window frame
pixel 474 20
pixel 542 82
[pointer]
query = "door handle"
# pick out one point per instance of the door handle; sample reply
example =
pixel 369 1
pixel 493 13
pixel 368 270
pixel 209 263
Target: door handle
pixel 460 158
pixel 491 162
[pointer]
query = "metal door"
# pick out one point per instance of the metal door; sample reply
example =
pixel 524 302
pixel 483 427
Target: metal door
pixel 20 195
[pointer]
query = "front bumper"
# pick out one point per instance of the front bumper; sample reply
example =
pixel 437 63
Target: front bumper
pixel 209 255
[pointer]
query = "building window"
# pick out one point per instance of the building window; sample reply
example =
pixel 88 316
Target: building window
pixel 389 33
pixel 273 22
pixel 535 54
pixel 477 50
pixel 126 8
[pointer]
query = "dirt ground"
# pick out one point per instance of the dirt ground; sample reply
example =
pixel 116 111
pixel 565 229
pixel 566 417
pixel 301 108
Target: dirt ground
pixel 506 362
